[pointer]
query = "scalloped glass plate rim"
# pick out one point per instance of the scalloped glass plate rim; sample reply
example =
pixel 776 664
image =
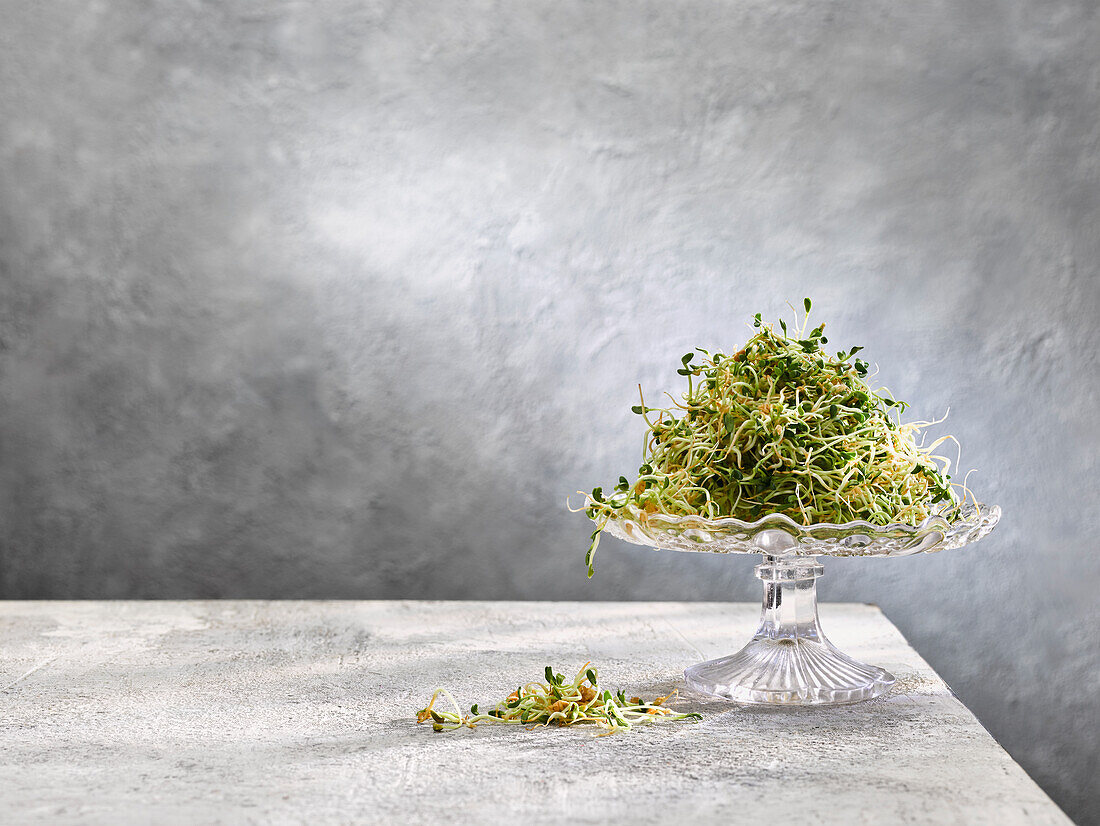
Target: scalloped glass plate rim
pixel 976 520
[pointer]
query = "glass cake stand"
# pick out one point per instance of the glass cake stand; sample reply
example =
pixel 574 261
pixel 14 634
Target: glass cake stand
pixel 790 661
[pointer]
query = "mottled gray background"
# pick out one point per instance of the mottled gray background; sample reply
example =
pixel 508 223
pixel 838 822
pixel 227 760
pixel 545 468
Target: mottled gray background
pixel 342 299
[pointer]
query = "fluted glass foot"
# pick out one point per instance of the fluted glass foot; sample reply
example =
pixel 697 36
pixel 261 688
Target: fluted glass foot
pixel 789 661
pixel 788 671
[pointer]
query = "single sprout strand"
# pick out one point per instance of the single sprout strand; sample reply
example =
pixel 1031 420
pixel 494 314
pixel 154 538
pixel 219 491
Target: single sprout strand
pixel 783 427
pixel 558 702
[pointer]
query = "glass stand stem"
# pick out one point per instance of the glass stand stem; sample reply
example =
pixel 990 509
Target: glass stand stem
pixel 789 661
pixel 789 611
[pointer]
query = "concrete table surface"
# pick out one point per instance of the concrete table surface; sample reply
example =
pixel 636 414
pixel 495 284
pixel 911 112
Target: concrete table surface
pixel 302 712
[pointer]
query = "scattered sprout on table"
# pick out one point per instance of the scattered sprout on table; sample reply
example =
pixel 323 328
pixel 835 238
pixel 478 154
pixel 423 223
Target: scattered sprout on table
pixel 555 702
pixel 781 426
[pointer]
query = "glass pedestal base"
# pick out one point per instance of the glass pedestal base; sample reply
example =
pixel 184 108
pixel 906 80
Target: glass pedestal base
pixel 789 661
pixel 788 672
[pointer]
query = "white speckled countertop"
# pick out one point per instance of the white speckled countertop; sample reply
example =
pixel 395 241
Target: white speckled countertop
pixel 302 712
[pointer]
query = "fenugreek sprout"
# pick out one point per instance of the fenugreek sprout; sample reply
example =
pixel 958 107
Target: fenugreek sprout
pixel 781 426
pixel 555 702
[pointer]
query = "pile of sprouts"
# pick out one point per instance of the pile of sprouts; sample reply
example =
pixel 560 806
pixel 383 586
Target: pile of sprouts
pixel 555 702
pixel 781 427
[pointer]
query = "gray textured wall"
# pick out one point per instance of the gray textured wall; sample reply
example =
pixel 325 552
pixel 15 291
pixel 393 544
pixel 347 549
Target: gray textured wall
pixel 342 299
